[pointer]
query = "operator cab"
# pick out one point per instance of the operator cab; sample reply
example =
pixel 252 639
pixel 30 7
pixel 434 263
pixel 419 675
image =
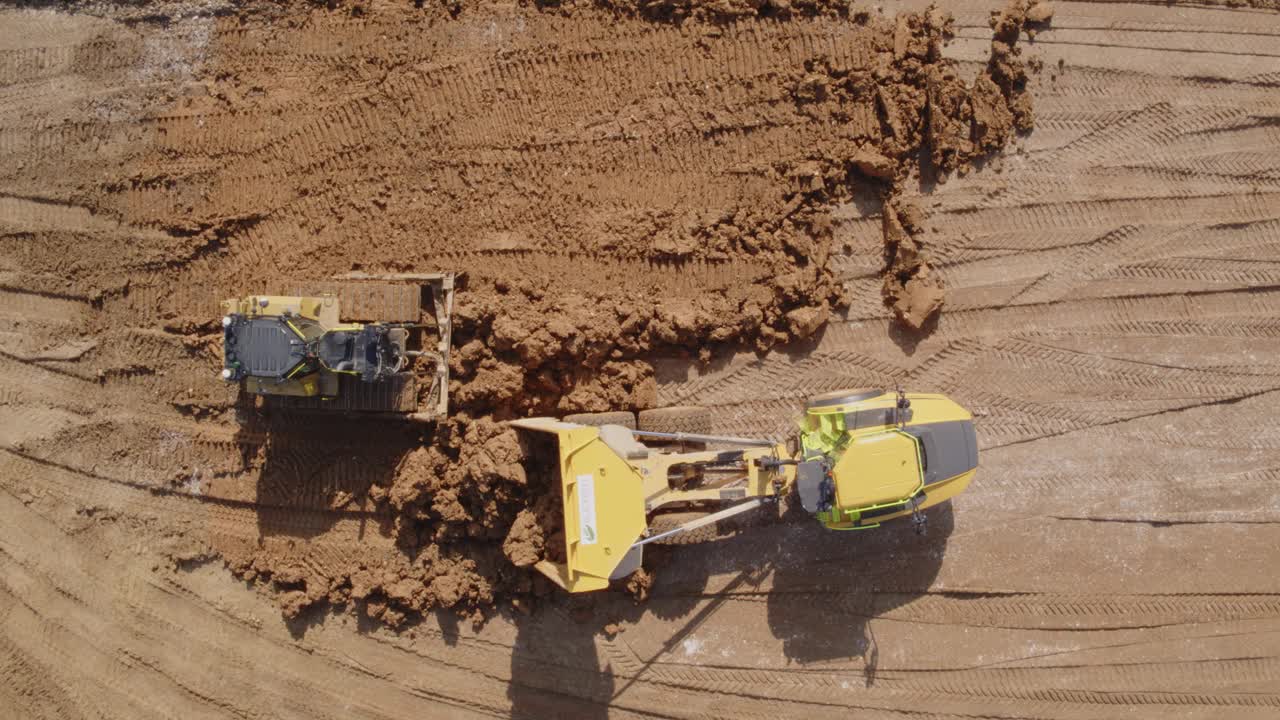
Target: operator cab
pixel 874 454
pixel 381 351
pixel 280 347
pixel 337 351
pixel 262 347
pixel 373 352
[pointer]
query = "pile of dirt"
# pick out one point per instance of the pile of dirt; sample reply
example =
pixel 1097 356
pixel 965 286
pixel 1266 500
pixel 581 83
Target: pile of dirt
pixel 568 287
pixel 396 588
pixel 471 507
pixel 925 110
pixel 525 348
pixel 454 497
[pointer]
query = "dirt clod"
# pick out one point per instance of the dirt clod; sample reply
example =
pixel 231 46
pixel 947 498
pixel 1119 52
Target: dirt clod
pixel 639 583
pixel 524 543
pixel 609 211
pixel 534 336
pixel 1040 12
pixel 911 287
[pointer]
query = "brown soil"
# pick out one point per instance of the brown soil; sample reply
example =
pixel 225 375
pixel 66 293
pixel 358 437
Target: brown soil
pixel 528 346
pixel 635 193
pixel 639 583
pixel 587 243
pixel 911 286
pixel 586 350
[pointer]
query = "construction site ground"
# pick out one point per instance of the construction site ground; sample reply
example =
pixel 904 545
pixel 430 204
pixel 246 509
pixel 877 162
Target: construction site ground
pixel 1112 319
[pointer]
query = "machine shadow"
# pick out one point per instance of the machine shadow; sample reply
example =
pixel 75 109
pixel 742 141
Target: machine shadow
pixel 821 587
pixel 826 590
pixel 558 668
pixel 318 472
pixel 821 590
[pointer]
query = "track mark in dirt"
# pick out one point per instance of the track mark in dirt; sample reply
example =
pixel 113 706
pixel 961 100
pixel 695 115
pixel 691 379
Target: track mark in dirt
pixel 382 145
pixel 1184 408
pixel 595 221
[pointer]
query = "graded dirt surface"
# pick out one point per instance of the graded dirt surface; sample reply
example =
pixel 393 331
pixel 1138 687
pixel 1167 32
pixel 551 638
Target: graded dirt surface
pixel 645 209
pixel 1112 288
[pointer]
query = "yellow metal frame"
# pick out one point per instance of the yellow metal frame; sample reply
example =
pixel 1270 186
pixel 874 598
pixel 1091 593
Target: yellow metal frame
pixel 897 470
pixel 656 469
pixel 926 408
pixel 321 308
pixel 607 497
pixel 939 493
pixel 608 490
pixel 324 309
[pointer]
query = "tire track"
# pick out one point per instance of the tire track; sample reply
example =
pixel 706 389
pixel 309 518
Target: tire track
pixel 1040 611
pixel 151 621
pixel 1131 147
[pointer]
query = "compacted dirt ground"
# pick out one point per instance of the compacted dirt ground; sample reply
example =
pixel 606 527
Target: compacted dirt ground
pixel 701 190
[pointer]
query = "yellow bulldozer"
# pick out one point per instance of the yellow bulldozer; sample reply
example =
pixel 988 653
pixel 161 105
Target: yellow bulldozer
pixel 859 458
pixel 358 344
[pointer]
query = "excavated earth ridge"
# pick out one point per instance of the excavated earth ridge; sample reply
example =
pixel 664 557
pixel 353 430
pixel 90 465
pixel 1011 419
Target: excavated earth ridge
pixel 470 513
pixel 616 182
pixel 625 186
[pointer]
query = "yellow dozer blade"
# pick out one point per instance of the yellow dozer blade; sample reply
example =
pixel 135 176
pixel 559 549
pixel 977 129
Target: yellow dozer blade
pixel 603 501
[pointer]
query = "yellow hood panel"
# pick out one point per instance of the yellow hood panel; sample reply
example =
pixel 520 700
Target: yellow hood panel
pixel 877 468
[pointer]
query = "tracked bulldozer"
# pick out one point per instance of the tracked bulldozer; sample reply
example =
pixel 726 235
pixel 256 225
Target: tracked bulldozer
pixel 859 458
pixel 360 344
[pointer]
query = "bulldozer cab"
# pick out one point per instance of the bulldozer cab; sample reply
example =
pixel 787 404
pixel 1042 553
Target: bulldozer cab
pixel 373 352
pixel 262 347
pixel 602 499
pixel 351 345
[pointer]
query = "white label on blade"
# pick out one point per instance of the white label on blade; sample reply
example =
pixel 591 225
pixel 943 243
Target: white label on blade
pixel 587 510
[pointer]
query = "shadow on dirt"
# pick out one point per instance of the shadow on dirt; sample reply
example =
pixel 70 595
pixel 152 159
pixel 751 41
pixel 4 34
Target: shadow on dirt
pixel 319 471
pixel 821 587
pixel 820 590
pixel 828 586
pixel 313 474
pixel 815 591
pixel 558 667
pixel 908 339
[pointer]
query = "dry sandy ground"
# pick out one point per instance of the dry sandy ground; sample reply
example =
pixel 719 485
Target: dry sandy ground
pixel 1114 287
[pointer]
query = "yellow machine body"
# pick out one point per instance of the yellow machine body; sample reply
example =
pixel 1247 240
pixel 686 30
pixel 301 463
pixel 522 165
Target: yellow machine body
pixel 877 468
pixel 879 454
pixel 861 457
pixel 323 309
pixel 610 483
pixel 306 352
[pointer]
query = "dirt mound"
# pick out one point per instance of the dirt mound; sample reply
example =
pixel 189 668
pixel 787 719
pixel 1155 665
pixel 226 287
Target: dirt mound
pixel 470 510
pixel 529 348
pixel 672 194
pixel 923 107
pixel 568 330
